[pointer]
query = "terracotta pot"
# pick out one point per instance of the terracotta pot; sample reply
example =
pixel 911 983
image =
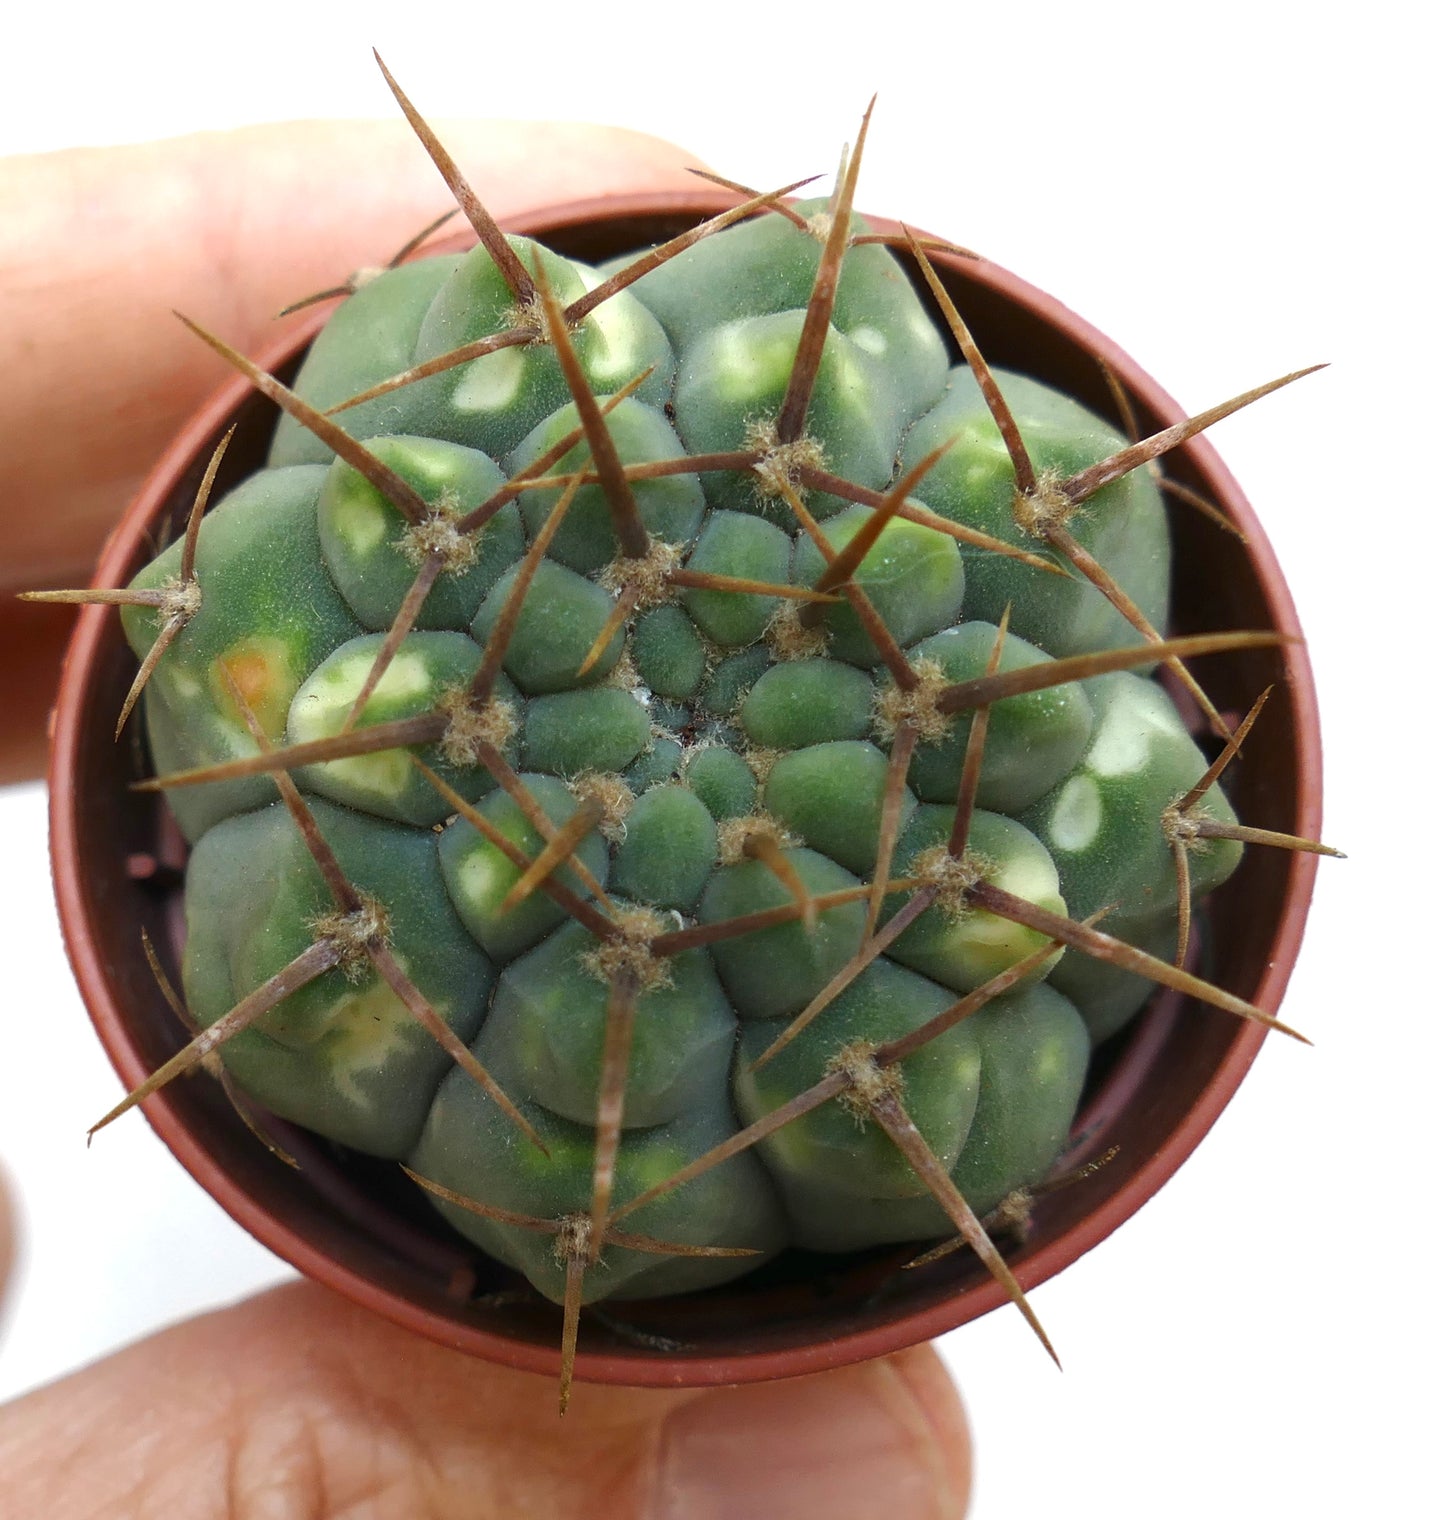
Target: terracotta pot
pixel 345 1220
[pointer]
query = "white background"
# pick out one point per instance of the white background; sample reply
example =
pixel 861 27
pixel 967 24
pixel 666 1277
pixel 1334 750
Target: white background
pixel 1230 192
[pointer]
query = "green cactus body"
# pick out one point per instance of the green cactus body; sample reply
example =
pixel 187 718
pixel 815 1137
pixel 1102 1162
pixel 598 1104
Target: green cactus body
pixel 728 752
pixel 1123 526
pixel 479 876
pixel 371 336
pixel 271 615
pixel 342 1055
pixel 362 534
pixel 671 506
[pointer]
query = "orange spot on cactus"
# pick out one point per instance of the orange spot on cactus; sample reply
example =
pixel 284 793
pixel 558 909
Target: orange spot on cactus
pixel 260 669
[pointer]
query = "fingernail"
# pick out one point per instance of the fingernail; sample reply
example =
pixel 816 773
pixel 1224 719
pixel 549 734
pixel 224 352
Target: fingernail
pixel 847 1445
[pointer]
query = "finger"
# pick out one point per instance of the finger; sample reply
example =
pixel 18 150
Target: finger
pixel 99 245
pixel 882 1438
pixel 30 653
pixel 227 227
pixel 7 1235
pixel 300 1403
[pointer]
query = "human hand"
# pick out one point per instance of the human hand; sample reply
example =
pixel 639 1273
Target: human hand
pixel 98 246
pixel 296 1402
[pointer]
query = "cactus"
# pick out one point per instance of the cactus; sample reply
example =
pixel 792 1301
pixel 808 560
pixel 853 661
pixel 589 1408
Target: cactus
pixel 673 754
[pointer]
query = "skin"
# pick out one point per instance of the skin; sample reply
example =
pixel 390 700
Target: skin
pixel 297 1403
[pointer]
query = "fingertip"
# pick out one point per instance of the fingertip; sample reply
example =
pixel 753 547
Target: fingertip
pixel 884 1437
pixel 8 1233
pixel 540 163
pixel 922 1370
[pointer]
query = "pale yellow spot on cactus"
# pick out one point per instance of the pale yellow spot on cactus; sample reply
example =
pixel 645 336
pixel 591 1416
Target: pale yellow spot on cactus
pixel 322 706
pixel 1029 875
pixel 965 941
pixel 1078 813
pixel 851 380
pixel 363 1029
pixel 870 340
pixel 383 776
pixel 490 383
pixel 985 932
pixel 361 523
pixel 921 325
pixel 747 367
pixel 484 878
pixel 617 342
pixel 328 696
pixel 1126 732
pixel 655 1162
pixel 407 676
pixel 1049 1066
pixel 987 944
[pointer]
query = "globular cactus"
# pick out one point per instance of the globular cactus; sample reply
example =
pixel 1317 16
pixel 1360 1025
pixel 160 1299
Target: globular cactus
pixel 725 788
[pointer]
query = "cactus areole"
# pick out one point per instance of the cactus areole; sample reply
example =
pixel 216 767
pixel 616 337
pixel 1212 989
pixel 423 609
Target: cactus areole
pixel 686 835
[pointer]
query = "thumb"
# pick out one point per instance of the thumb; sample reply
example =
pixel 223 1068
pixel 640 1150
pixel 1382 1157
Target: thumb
pixel 298 1402
pixel 98 245
pixel 227 227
